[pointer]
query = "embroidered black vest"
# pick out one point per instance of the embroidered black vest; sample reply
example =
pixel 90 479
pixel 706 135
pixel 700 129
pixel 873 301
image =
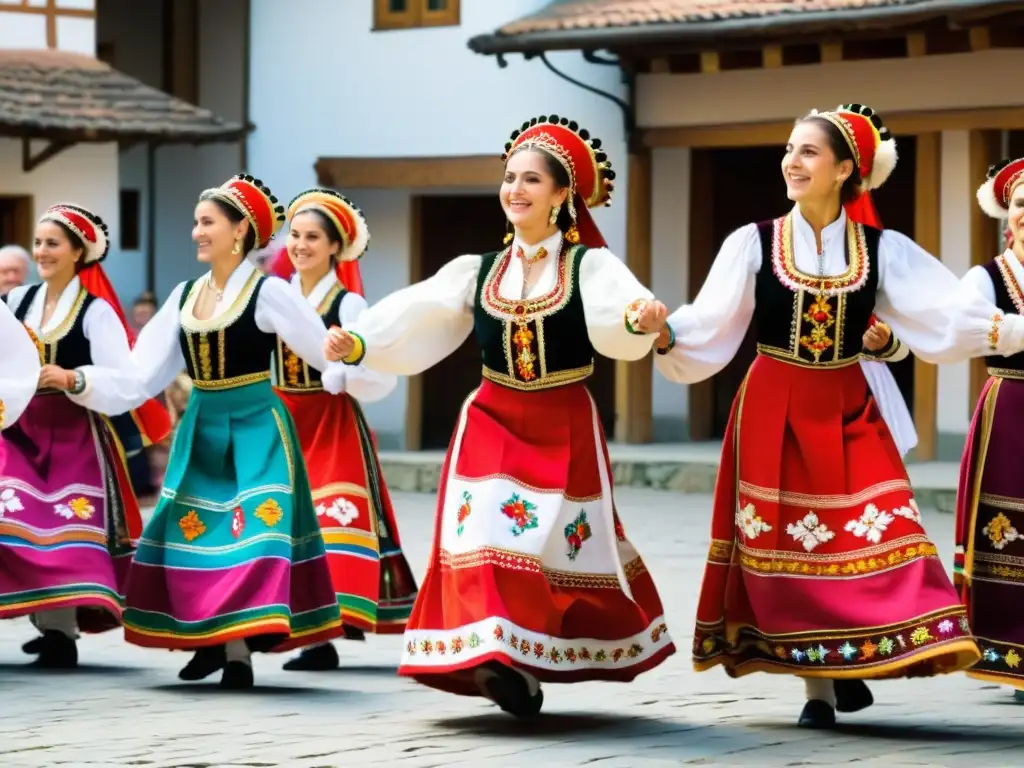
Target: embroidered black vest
pixel 66 345
pixel 534 343
pixel 229 350
pixel 1010 300
pixel 807 320
pixel 291 372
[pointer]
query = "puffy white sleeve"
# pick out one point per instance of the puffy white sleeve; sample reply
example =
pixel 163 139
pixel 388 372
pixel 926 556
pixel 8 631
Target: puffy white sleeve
pixel 978 280
pixel 364 384
pixel 707 333
pixel 416 327
pixel 19 368
pixel 116 386
pixel 940 318
pixel 607 288
pixel 283 311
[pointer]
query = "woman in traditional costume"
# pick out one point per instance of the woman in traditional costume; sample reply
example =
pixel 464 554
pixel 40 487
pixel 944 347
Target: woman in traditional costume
pixel 531 577
pixel 989 559
pixel 69 516
pixel 819 565
pixel 232 560
pixel 373 582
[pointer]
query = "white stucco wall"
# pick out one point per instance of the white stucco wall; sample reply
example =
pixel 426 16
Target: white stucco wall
pixel 408 93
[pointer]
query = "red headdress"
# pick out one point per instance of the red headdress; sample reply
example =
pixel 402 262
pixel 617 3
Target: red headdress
pixel 350 224
pixel 253 199
pixel 874 151
pixel 151 418
pixel 995 194
pixel 590 172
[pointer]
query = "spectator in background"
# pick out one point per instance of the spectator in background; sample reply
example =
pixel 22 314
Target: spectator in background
pixel 15 264
pixel 143 309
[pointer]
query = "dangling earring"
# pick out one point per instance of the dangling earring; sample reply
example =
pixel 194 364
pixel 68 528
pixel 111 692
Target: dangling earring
pixel 572 234
pixel 553 218
pixel 237 250
pixel 510 234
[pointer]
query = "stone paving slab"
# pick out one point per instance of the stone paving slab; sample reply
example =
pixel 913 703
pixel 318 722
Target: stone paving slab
pixel 125 706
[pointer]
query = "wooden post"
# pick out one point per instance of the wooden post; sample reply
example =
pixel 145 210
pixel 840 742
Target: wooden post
pixel 414 387
pixel 701 396
pixel 633 381
pixel 927 187
pixel 984 150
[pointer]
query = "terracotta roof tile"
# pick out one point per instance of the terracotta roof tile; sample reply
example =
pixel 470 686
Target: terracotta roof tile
pixel 59 95
pixel 596 14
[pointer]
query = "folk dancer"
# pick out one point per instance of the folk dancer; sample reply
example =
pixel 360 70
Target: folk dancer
pixel 375 587
pixel 531 578
pixel 989 555
pixel 232 561
pixel 819 566
pixel 69 515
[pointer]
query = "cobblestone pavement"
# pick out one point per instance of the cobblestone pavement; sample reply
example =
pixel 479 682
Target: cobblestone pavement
pixel 125 706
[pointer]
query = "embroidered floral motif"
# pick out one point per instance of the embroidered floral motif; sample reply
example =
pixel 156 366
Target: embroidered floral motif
pixel 750 522
pixel 871 524
pixel 819 315
pixel 920 636
pixel 868 649
pixel 523 338
pixel 191 526
pixel 3 412
pixel 9 501
pixel 237 522
pixel 520 512
pixel 810 532
pixel 1000 531
pixel 341 509
pixel 1012 659
pixel 269 512
pixel 79 507
pixel 576 533
pixel 910 512
pixel 945 627
pixel 292 366
pixel 465 510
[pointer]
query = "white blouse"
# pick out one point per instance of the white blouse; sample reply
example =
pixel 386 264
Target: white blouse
pixel 923 303
pixel 19 368
pixel 978 279
pixel 157 357
pixel 416 327
pixel 360 382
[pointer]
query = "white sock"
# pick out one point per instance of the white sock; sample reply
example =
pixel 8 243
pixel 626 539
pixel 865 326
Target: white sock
pixel 63 620
pixel 821 689
pixel 237 650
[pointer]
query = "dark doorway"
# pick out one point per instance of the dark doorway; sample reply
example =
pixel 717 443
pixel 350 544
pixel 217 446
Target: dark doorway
pixel 453 225
pixel 731 208
pixel 16 222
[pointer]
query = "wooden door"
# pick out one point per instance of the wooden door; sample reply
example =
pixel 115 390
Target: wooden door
pixel 16 221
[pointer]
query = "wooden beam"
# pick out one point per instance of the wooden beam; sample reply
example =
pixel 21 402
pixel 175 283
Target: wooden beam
pixel 414 387
pixel 30 162
pixel 927 233
pixel 776 131
pixel 984 149
pixel 710 62
pixel 917 44
pixel 701 396
pixel 831 52
pixel 980 38
pixel 660 66
pixel 771 56
pixel 633 381
pixel 409 172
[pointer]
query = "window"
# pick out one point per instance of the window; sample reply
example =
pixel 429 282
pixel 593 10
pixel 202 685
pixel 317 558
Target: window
pixel 131 215
pixel 409 14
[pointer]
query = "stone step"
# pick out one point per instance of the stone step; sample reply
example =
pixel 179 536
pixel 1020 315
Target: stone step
pixel 684 468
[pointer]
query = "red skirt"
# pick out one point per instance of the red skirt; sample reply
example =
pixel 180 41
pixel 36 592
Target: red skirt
pixel 818 565
pixel 530 566
pixel 373 581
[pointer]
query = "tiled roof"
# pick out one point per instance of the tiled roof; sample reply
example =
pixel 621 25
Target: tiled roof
pixel 596 22
pixel 69 97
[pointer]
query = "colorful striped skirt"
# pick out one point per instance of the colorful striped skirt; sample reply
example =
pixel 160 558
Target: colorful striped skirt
pixel 233 549
pixel 68 516
pixel 372 580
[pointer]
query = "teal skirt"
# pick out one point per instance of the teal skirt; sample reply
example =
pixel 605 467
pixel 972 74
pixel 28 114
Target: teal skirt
pixel 234 549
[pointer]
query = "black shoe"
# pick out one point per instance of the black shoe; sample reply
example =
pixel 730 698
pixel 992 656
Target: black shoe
pixel 353 633
pixel 318 658
pixel 817 714
pixel 34 646
pixel 56 651
pixel 203 663
pixel 237 676
pixel 508 689
pixel 852 696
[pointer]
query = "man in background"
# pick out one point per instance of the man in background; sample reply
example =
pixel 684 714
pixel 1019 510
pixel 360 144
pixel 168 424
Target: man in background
pixel 15 263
